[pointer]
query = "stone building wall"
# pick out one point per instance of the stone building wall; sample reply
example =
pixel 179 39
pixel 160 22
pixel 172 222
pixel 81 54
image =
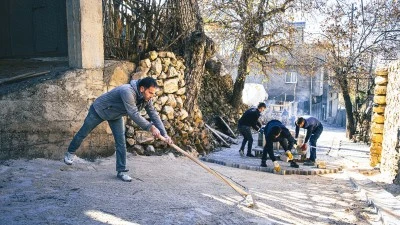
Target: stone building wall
pixel 40 119
pixel 390 158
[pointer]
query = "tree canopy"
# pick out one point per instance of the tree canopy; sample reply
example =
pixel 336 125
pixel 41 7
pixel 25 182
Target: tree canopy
pixel 353 34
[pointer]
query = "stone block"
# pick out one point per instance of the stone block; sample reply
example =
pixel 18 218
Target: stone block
pixel 143 137
pixel 377 128
pixel 376 138
pixel 378 118
pixel 153 55
pixel 143 69
pixel 160 82
pixel 162 75
pixel 376 150
pixel 150 149
pixel 181 83
pixel 157 107
pixel 171 85
pixel 163 99
pixel 166 62
pixel 181 91
pixel 179 102
pixel 171 55
pixel 383 71
pixel 171 101
pixel 130 131
pixel 374 160
pixel 381 80
pixel 376 144
pixel 168 111
pixel 145 63
pixel 379 109
pixel 380 99
pixel 172 72
pixel 183 114
pixel 131 141
pixel 156 67
pixel 380 90
pixel 162 54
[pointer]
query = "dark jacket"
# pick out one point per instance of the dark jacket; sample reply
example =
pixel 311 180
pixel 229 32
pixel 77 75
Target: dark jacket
pixel 285 134
pixel 127 100
pixel 310 124
pixel 250 118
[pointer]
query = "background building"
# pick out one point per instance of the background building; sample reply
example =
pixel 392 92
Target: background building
pixel 299 91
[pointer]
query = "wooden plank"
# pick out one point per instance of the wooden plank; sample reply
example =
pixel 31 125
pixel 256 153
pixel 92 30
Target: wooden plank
pixel 227 126
pixel 226 137
pixel 218 136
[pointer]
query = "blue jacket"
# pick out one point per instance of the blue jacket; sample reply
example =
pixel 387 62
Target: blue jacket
pixel 310 124
pixel 285 134
pixel 127 100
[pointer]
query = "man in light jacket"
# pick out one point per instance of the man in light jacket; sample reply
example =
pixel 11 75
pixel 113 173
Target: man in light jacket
pixel 127 99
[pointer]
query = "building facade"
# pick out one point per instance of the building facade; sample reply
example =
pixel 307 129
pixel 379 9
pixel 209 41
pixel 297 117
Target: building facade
pixel 296 91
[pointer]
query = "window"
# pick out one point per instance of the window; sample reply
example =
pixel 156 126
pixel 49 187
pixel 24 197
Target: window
pixel 291 77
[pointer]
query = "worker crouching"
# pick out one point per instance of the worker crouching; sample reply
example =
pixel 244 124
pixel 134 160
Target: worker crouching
pixel 275 131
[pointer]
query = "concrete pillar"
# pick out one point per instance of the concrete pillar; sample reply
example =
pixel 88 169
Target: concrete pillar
pixel 85 34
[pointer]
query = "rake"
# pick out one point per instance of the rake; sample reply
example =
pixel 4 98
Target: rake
pixel 248 199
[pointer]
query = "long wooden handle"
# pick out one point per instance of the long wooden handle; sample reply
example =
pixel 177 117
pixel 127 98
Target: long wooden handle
pixel 232 185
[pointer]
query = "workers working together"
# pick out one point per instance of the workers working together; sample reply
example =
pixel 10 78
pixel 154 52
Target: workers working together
pixel 276 131
pixel 130 98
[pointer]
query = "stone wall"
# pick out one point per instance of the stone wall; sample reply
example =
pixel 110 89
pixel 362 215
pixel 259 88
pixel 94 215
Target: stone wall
pixel 39 119
pixel 186 128
pixel 390 158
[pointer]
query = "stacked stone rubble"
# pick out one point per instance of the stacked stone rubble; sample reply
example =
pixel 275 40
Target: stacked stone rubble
pixel 216 91
pixel 378 117
pixel 186 128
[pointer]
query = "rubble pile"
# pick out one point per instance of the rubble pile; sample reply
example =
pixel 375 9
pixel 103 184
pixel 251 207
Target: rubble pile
pixel 216 91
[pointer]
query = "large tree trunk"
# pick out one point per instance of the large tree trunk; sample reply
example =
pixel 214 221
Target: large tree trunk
pixel 195 46
pixel 350 125
pixel 241 77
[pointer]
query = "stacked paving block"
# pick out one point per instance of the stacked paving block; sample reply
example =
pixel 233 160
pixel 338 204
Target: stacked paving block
pixel 378 117
pixel 390 159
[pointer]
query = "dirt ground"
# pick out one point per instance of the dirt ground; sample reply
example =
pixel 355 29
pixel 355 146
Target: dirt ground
pixel 170 190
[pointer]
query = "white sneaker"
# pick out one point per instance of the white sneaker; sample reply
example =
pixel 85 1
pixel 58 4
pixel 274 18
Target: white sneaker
pixel 124 177
pixel 69 158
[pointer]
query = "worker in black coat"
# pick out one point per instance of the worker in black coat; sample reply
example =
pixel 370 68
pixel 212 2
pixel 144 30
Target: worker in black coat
pixel 250 120
pixel 275 131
